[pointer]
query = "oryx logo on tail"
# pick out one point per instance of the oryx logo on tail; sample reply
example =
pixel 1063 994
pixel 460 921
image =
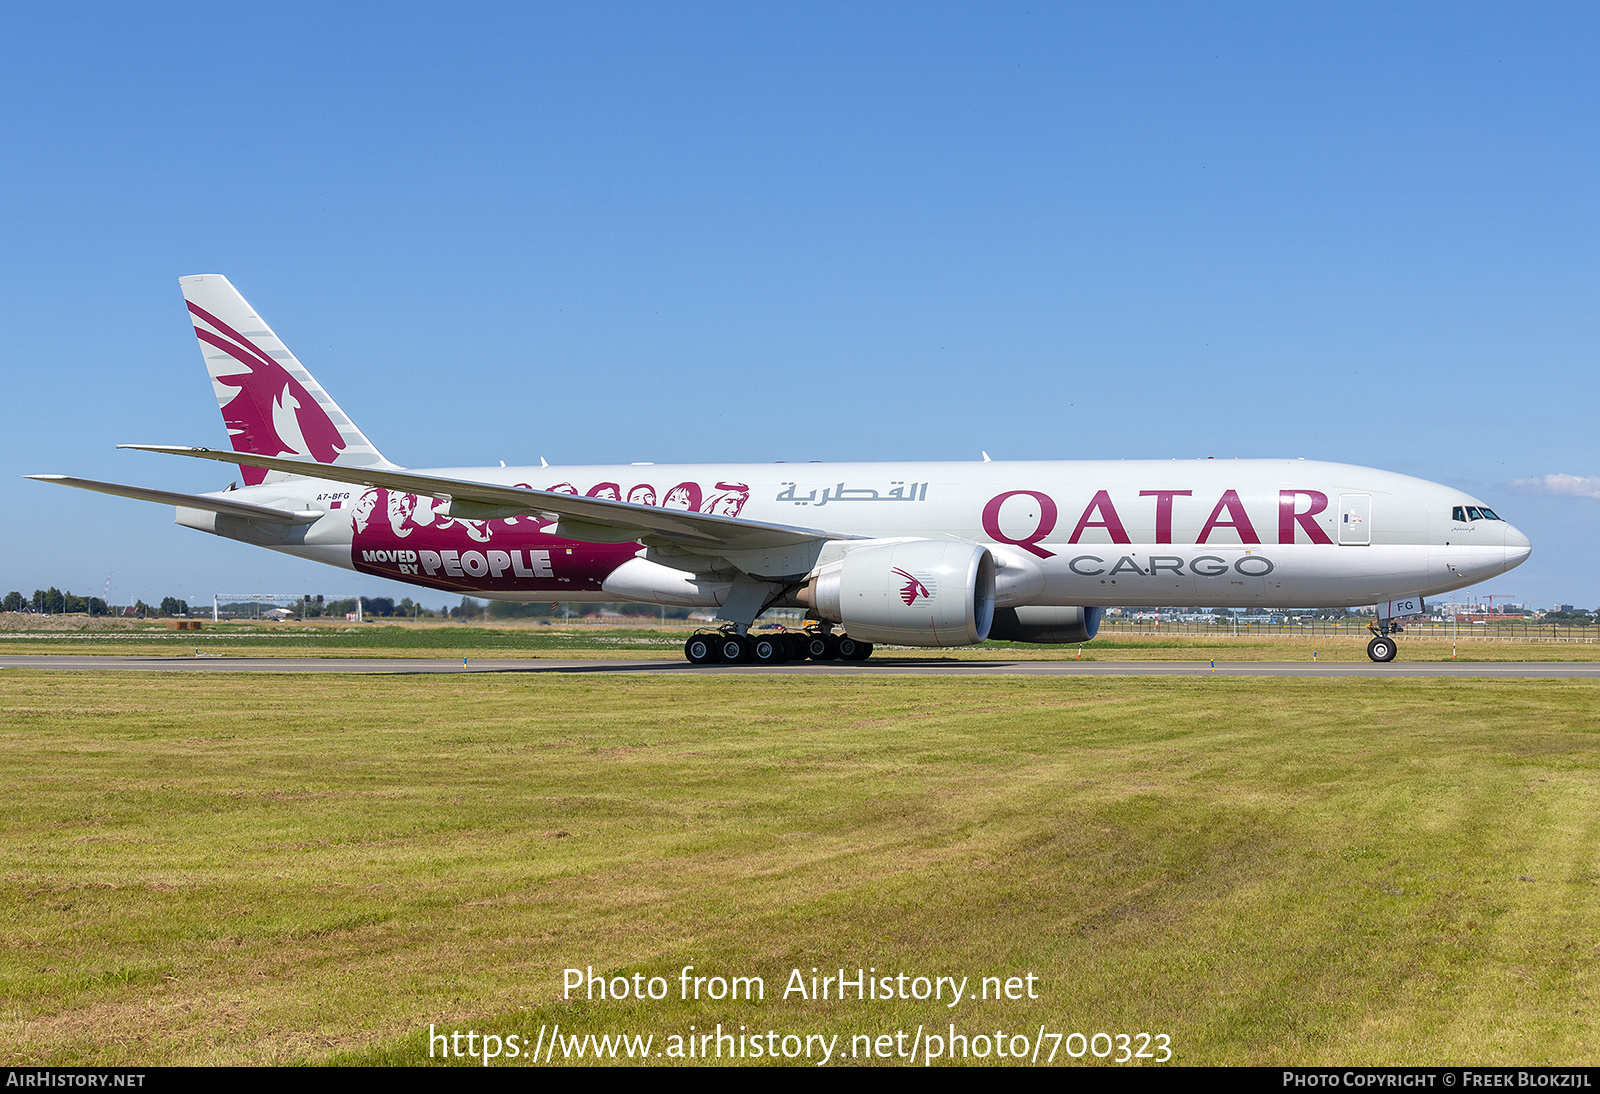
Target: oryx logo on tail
pixel 272 414
pixel 912 589
pixel 270 404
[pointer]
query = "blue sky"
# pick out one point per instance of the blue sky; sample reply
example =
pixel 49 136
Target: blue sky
pixel 606 233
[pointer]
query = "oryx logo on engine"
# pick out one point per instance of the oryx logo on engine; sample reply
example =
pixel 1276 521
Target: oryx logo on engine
pixel 912 589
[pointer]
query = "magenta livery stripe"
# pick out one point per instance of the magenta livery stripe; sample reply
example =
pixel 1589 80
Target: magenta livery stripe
pixel 227 347
pixel 243 342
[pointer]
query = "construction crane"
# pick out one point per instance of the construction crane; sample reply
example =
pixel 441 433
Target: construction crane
pixel 1492 597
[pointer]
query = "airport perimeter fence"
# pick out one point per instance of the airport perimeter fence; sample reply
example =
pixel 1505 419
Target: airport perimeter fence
pixel 1512 630
pixel 1224 627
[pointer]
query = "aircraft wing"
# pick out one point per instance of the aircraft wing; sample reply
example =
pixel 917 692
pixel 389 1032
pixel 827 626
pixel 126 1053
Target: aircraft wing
pixel 188 501
pixel 592 520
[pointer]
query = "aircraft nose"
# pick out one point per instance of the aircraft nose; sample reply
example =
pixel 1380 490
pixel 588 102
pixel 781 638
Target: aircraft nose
pixel 1517 547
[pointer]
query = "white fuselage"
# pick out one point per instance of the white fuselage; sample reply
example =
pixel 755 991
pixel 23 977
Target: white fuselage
pixel 1236 533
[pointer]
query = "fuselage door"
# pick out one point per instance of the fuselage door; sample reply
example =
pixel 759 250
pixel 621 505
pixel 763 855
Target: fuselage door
pixel 1355 520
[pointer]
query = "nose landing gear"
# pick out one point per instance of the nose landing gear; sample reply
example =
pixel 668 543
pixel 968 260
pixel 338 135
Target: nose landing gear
pixel 1382 648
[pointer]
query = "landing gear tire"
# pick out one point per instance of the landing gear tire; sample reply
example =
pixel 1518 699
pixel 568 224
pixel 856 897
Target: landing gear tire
pixel 767 650
pixel 734 649
pixel 851 650
pixel 1381 649
pixel 701 649
pixel 823 647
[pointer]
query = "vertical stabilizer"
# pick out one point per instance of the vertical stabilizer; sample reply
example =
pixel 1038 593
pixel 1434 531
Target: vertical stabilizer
pixel 271 405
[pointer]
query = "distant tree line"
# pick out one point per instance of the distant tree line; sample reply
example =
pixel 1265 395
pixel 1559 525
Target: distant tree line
pixel 53 601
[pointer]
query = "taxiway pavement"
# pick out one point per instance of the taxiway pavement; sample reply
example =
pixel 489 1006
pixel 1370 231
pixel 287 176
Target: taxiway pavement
pixel 892 666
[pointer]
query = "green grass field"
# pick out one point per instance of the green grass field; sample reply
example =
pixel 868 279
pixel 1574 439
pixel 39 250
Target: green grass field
pixel 290 869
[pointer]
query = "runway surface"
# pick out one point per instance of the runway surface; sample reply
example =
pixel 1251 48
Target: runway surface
pixel 918 666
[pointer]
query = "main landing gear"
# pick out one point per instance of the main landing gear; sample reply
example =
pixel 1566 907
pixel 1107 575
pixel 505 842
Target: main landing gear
pixel 729 647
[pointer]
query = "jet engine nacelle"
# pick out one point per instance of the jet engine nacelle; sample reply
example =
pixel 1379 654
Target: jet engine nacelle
pixel 1038 623
pixel 914 592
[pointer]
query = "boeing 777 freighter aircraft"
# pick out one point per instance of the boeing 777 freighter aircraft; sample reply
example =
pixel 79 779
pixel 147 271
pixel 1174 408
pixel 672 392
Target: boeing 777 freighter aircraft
pixel 918 554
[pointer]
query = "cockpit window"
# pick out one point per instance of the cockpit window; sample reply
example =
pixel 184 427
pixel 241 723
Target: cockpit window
pixel 1473 514
pixel 1488 514
pixel 1459 513
pixel 1463 513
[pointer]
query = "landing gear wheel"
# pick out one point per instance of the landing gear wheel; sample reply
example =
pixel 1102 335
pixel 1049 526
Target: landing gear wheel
pixel 1381 648
pixel 734 650
pixel 796 644
pixel 851 650
pixel 701 649
pixel 767 650
pixel 823 647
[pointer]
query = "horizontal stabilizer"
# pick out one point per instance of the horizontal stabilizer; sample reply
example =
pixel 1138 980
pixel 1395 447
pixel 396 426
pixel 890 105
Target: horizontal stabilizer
pixel 186 501
pixel 595 518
